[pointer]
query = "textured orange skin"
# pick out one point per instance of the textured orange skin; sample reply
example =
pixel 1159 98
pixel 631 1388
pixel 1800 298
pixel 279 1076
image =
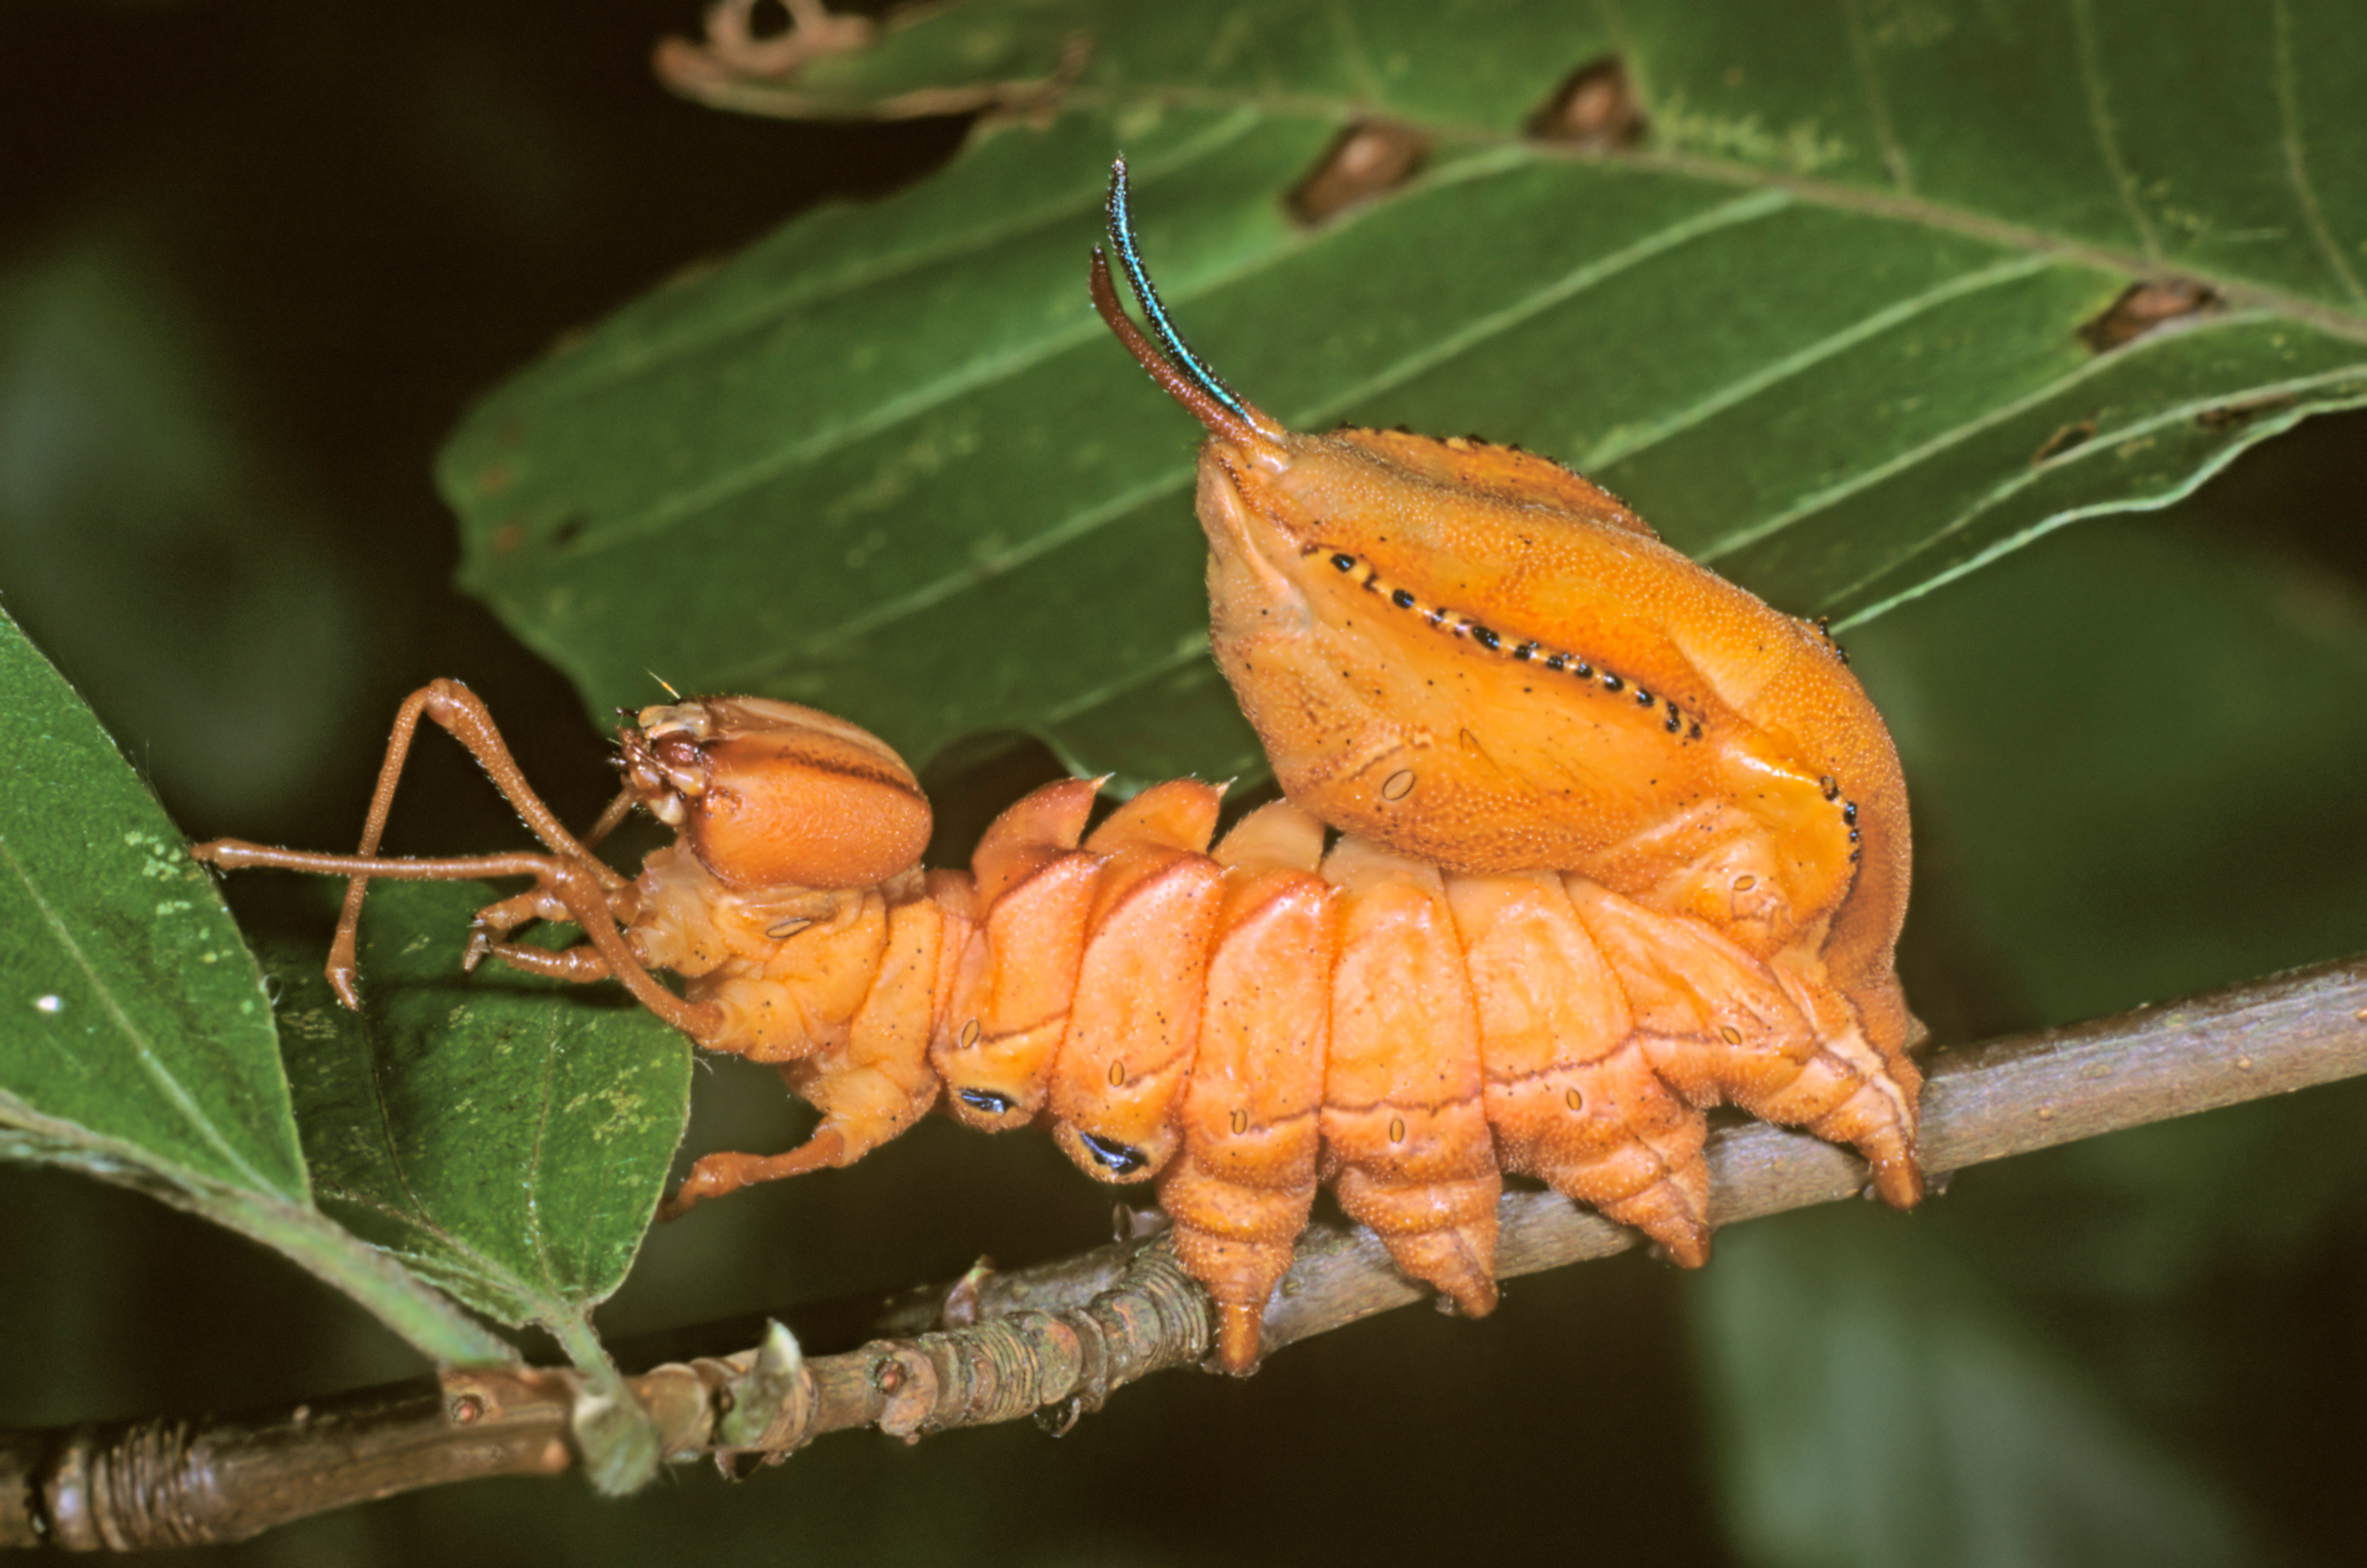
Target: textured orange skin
pixel 785 794
pixel 1479 659
pixel 1518 767
pixel 1239 1024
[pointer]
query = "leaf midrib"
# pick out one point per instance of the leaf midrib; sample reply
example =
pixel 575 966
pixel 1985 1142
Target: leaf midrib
pixel 142 1050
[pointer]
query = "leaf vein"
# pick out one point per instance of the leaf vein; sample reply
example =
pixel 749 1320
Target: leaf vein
pixel 2188 483
pixel 144 1050
pixel 1494 323
pixel 1817 501
pixel 1478 329
pixel 1810 354
pixel 2100 120
pixel 1878 109
pixel 2296 160
pixel 600 374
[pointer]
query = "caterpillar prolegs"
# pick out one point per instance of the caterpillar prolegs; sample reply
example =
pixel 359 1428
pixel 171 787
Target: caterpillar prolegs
pixel 1236 1023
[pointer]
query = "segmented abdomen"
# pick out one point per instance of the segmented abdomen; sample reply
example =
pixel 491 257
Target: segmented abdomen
pixel 1242 1023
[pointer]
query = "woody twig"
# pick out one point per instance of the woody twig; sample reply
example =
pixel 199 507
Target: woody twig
pixel 1063 1338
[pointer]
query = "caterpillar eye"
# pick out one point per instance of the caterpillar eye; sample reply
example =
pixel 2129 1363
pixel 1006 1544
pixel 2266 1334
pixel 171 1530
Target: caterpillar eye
pixel 986 1100
pixel 1120 1159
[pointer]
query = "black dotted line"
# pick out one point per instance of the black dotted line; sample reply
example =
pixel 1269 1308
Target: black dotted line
pixel 1677 723
pixel 1833 791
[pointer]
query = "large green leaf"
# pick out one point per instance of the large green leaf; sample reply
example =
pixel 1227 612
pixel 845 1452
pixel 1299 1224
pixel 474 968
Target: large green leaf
pixel 1822 325
pixel 136 1042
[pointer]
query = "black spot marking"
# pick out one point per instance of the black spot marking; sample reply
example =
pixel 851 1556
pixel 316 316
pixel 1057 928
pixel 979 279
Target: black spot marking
pixel 1582 669
pixel 1694 733
pixel 1557 662
pixel 1675 723
pixel 986 1100
pixel 1525 650
pixel 1849 812
pixel 1833 791
pixel 1644 699
pixel 1345 563
pixel 1484 638
pixel 1612 682
pixel 1116 1158
pixel 1402 599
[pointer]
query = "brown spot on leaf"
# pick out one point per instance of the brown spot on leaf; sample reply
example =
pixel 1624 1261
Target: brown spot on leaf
pixel 2142 308
pixel 2070 438
pixel 1368 159
pixel 2227 416
pixel 507 538
pixel 1594 108
pixel 494 480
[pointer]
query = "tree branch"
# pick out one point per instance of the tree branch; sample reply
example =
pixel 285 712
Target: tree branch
pixel 1061 1338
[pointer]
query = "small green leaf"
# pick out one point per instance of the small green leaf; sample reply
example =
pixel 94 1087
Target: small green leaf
pixel 506 1136
pixel 136 1042
pixel 1822 325
pixel 1876 1403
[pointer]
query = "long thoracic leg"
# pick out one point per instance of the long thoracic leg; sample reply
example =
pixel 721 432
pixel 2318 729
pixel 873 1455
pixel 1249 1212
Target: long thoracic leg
pixel 571 882
pixel 454 707
pixel 467 721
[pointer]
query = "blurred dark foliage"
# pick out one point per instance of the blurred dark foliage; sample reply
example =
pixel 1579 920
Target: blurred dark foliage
pixel 257 256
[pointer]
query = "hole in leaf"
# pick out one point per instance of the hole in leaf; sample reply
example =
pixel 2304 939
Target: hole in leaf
pixel 2144 307
pixel 1369 159
pixel 1594 108
pixel 2227 416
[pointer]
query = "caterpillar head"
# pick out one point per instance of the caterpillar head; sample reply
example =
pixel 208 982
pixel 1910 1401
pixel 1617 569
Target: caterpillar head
pixel 768 794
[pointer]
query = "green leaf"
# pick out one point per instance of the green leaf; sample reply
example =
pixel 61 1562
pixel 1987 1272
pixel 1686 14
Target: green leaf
pixel 1822 325
pixel 504 1136
pixel 136 1042
pixel 1943 1431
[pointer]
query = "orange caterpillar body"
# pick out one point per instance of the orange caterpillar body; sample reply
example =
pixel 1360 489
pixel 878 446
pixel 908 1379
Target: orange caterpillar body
pixel 1237 1023
pixel 1476 657
pixel 1620 843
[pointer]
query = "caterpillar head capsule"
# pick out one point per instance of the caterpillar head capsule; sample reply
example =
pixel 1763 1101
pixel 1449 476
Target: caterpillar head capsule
pixel 1478 658
pixel 768 794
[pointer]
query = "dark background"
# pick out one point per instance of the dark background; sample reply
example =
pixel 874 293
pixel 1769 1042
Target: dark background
pixel 256 257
